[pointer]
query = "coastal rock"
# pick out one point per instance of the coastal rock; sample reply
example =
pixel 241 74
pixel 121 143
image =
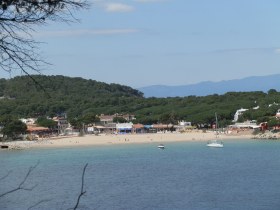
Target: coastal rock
pixel 267 135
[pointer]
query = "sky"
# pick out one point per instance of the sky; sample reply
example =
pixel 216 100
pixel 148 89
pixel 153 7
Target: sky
pixel 165 42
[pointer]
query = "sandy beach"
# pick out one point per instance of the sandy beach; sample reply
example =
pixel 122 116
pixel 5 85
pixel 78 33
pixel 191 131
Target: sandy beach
pixel 102 139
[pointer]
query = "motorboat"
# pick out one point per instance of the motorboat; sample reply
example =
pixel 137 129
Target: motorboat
pixel 215 143
pixel 161 146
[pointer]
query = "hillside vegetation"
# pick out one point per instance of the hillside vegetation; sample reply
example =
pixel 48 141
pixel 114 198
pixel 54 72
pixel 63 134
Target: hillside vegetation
pixel 21 97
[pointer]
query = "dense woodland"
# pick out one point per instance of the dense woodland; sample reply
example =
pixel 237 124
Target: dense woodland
pixel 79 98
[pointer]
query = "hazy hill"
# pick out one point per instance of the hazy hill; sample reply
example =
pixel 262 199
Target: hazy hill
pixel 256 83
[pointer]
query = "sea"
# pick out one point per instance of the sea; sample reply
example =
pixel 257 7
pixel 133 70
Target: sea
pixel 244 175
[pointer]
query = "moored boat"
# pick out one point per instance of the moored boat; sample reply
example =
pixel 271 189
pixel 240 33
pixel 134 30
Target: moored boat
pixel 161 146
pixel 215 142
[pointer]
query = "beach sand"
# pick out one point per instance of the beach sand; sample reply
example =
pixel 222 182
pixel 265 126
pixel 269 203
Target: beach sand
pixel 102 139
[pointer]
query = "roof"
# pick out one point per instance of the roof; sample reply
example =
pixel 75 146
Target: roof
pixel 138 126
pixel 162 126
pixel 99 127
pixel 245 125
pixel 106 118
pixel 124 125
pixel 36 128
pixel 147 126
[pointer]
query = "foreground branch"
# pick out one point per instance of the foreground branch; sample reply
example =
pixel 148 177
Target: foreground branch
pixel 42 201
pixel 18 18
pixel 82 188
pixel 5 175
pixel 21 185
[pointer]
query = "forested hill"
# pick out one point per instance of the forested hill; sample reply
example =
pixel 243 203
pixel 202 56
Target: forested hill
pixel 61 86
pixel 80 98
pixel 56 94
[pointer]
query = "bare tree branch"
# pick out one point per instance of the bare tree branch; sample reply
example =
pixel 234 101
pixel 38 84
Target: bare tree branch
pixel 42 201
pixel 5 175
pixel 82 188
pixel 18 49
pixel 21 185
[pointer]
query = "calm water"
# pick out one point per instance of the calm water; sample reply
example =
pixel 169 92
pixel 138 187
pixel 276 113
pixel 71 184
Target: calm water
pixel 242 175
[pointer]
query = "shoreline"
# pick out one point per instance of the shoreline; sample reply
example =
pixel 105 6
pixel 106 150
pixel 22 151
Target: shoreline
pixel 117 139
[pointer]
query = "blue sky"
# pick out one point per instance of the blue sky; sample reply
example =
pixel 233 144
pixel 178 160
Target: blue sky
pixel 169 42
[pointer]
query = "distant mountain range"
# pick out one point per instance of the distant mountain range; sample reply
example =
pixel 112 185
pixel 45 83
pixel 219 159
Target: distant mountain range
pixel 254 83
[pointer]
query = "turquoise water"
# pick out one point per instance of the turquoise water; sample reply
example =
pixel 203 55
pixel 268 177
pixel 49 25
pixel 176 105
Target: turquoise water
pixel 242 175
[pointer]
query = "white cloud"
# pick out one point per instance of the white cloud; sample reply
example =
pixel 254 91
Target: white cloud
pixel 148 1
pixel 277 51
pixel 118 7
pixel 256 50
pixel 68 33
pixel 113 31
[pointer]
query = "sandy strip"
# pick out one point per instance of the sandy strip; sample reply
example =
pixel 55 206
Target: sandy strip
pixel 91 140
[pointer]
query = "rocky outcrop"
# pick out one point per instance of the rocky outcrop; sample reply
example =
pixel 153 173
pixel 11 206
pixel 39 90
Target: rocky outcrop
pixel 267 135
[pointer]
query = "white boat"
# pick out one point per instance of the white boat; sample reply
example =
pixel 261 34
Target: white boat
pixel 161 146
pixel 215 142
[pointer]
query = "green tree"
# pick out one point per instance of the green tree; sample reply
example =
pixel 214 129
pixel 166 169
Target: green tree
pixel 90 119
pixel 241 119
pixel 13 128
pixel 273 122
pixel 76 122
pixel 119 120
pixel 272 91
pixel 263 119
pixel 169 118
pixel 43 121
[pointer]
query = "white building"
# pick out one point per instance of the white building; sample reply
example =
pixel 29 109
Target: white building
pixel 183 123
pixel 238 113
pixel 28 121
pixel 62 124
pixel 124 127
pixel 257 107
pixel 245 125
pixel 277 114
